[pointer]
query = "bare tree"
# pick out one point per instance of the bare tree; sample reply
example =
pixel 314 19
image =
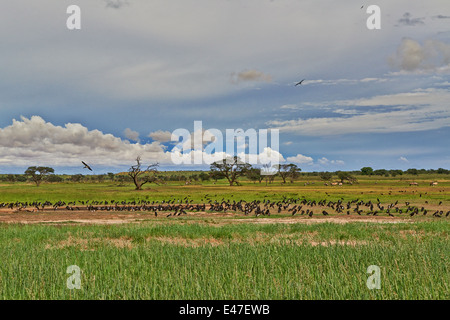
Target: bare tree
pixel 140 176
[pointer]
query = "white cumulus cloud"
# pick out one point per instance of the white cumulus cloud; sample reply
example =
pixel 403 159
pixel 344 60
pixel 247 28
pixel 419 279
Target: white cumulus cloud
pixel 300 159
pixel 33 141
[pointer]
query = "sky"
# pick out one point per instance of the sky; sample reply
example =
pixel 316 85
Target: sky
pixel 138 70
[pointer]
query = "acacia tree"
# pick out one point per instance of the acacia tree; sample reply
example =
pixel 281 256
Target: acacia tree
pixel 367 171
pixel 254 174
pixel 326 176
pixel 230 168
pixel 343 175
pixel 288 171
pixel 140 176
pixel 37 173
pixel 77 177
pixel 111 176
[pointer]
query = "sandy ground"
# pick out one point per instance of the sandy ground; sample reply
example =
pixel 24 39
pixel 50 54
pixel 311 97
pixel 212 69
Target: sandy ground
pixel 104 217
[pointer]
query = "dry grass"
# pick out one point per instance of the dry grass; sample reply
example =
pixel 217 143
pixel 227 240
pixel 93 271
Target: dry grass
pixel 90 244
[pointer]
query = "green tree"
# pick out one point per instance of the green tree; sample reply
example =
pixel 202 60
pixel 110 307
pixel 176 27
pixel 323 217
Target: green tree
pixel 110 176
pixel 254 174
pixel 380 172
pixel 21 178
pixel 343 175
pixel 216 175
pixel 326 176
pixel 412 171
pixel 38 173
pixel 367 171
pixel 76 177
pixel 231 169
pixel 204 176
pixel 395 173
pixel 288 171
pixel 54 178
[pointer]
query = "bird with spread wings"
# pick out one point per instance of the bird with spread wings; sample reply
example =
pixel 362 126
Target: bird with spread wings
pixel 86 166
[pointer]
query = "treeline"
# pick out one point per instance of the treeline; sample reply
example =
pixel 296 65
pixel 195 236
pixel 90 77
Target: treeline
pixel 100 178
pixel 252 174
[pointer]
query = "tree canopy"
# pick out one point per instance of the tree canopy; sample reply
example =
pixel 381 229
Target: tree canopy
pixel 231 168
pixel 37 173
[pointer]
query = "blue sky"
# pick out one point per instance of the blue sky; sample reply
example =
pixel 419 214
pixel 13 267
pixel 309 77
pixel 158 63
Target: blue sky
pixel 138 70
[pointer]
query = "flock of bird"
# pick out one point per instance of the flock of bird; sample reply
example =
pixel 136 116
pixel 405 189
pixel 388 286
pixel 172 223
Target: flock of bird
pixel 177 207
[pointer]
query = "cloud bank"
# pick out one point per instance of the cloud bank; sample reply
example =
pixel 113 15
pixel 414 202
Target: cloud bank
pixel 34 141
pixel 420 110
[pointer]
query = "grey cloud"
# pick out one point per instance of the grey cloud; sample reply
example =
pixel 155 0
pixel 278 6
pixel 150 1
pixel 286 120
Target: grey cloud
pixel 440 16
pixel 131 135
pixel 161 136
pixel 116 4
pixel 408 21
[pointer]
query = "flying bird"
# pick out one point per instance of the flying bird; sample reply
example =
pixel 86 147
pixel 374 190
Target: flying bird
pixel 299 83
pixel 86 166
pixel 362 6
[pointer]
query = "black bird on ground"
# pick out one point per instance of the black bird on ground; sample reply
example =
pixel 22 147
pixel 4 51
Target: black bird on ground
pixel 86 166
pixel 300 82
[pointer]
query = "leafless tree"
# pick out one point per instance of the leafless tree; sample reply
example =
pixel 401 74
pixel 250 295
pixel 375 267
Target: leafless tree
pixel 140 176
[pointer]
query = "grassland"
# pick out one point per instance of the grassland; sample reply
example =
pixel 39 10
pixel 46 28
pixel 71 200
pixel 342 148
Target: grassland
pixel 243 261
pixel 367 188
pixel 221 257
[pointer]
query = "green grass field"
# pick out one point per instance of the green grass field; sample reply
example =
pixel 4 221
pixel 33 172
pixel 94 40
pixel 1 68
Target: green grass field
pixel 243 261
pixel 367 188
pixel 220 258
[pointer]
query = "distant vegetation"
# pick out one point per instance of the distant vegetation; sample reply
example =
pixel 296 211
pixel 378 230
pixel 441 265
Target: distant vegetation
pixel 288 173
